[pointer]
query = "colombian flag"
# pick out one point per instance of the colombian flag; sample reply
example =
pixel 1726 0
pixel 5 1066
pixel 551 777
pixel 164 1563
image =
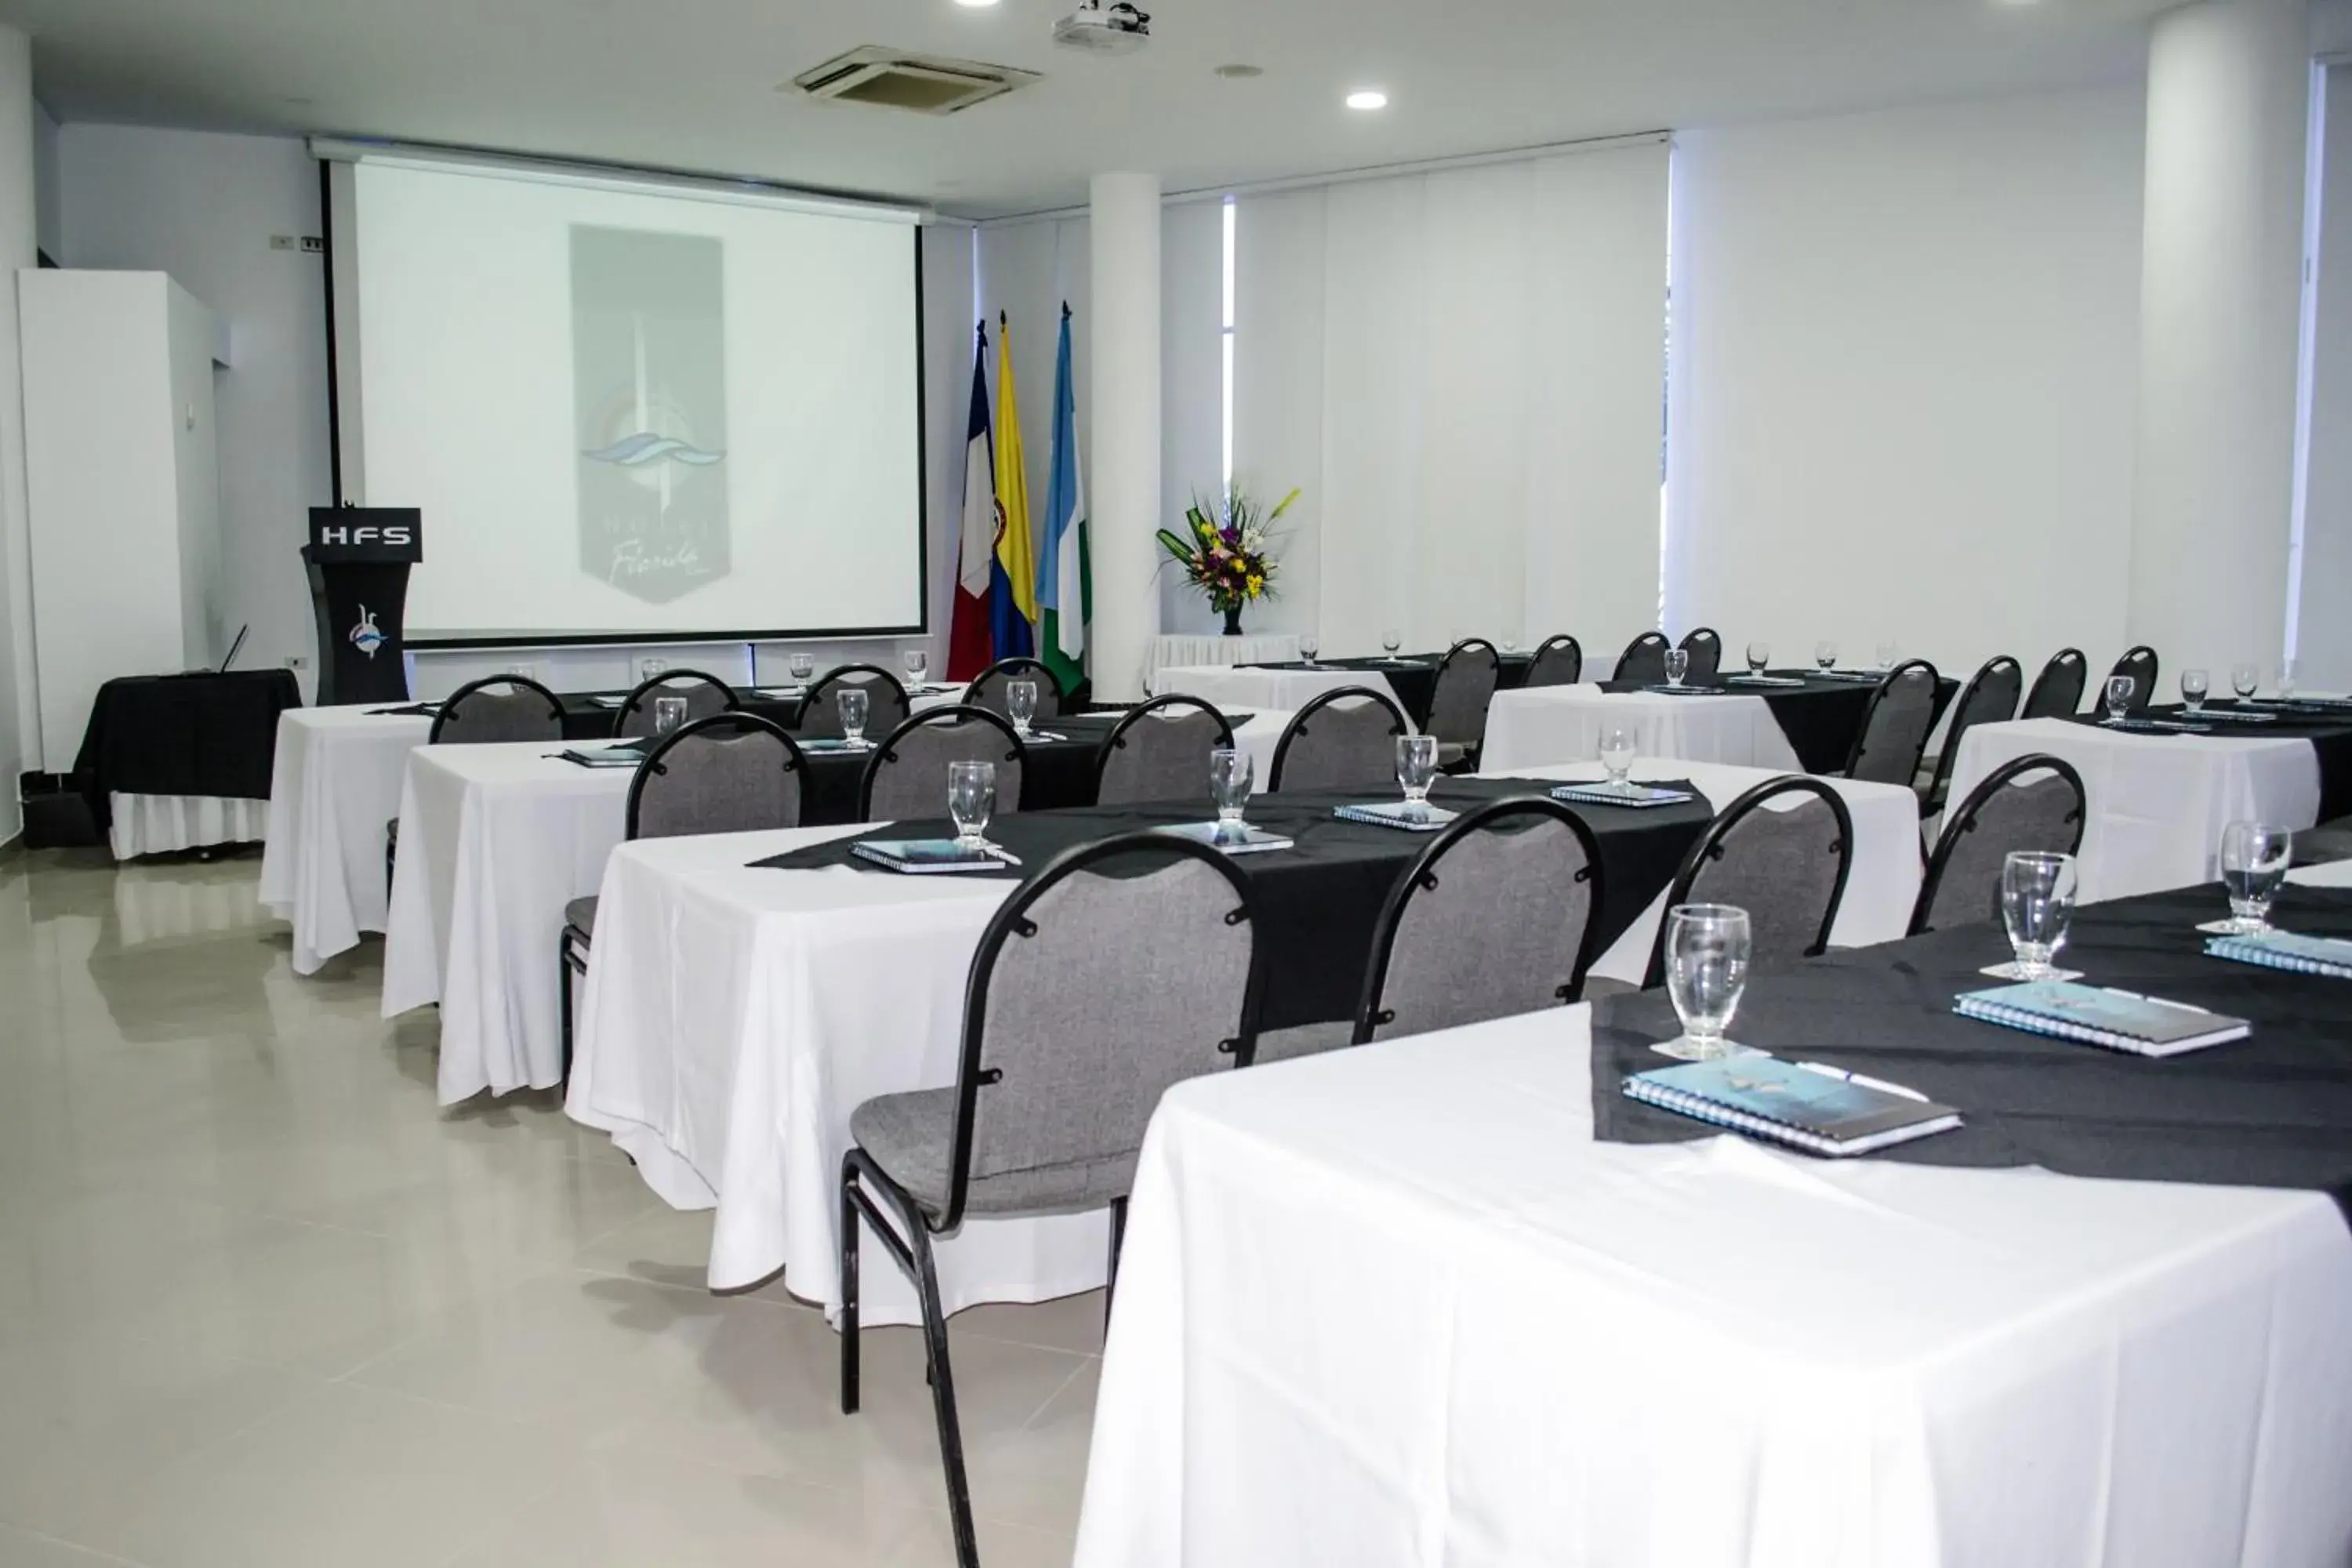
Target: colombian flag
pixel 1013 582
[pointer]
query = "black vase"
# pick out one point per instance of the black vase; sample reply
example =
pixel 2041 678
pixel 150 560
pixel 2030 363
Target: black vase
pixel 1233 620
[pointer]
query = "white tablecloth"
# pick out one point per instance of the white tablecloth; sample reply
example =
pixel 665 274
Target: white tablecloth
pixel 333 787
pixel 1530 727
pixel 161 823
pixel 2157 803
pixel 1394 1307
pixel 1167 653
pixel 1252 690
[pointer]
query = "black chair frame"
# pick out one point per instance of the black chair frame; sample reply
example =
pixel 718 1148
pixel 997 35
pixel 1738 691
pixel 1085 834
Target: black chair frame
pixel 652 686
pixel 1400 725
pixel 1117 740
pixel 1563 640
pixel 449 703
pixel 1018 665
pixel 2065 662
pixel 1710 847
pixel 1951 752
pixel 884 754
pixel 1647 641
pixel 1690 645
pixel 1963 819
pixel 1878 695
pixel 2141 663
pixel 833 677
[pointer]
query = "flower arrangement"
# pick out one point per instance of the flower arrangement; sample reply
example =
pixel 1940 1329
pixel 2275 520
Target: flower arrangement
pixel 1229 554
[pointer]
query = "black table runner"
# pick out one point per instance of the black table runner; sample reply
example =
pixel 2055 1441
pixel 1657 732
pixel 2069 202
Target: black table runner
pixel 1821 719
pixel 1411 676
pixel 2274 1111
pixel 203 733
pixel 2329 734
pixel 1320 902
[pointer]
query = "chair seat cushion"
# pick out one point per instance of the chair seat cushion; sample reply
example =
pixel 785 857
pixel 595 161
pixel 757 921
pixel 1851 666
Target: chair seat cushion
pixel 911 1137
pixel 580 914
pixel 1307 1040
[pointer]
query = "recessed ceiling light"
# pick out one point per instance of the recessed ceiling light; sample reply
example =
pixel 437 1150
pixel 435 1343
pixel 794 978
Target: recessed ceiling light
pixel 1367 98
pixel 1240 73
pixel 975 4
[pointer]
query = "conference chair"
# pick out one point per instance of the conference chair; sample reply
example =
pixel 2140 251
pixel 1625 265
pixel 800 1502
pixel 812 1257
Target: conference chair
pixel 495 710
pixel 1705 647
pixel 2058 691
pixel 1557 661
pixel 730 773
pixel 1343 739
pixel 1785 864
pixel 706 697
pixel 887 708
pixel 2033 803
pixel 2139 663
pixel 1895 726
pixel 987 691
pixel 1644 659
pixel 1159 751
pixel 1990 698
pixel 1467 678
pixel 1054 1087
pixel 906 778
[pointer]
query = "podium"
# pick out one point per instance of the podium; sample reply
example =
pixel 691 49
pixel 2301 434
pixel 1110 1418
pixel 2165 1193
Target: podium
pixel 359 559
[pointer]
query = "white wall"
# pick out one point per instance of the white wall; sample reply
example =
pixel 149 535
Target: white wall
pixel 1904 371
pixel 2324 641
pixel 48 213
pixel 19 699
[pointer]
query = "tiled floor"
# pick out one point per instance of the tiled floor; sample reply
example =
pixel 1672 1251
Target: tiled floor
pixel 262 1304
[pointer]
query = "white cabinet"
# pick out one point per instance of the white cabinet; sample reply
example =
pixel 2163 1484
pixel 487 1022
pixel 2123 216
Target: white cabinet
pixel 123 486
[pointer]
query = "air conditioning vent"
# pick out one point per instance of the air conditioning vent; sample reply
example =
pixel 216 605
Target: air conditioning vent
pixel 892 78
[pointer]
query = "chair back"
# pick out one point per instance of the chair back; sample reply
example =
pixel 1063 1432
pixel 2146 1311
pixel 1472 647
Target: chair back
pixel 2058 691
pixel 1496 918
pixel 1644 659
pixel 820 711
pixel 705 696
pixel 1054 1084
pixel 1344 739
pixel 1159 751
pixel 1894 726
pixel 2139 663
pixel 1705 647
pixel 906 778
pixel 499 708
pixel 1560 661
pixel 1786 866
pixel 987 691
pixel 1466 685
pixel 731 772
pixel 2032 803
pixel 1990 699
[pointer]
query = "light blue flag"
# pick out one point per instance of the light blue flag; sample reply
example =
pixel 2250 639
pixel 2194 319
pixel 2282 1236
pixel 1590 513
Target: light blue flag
pixel 1065 572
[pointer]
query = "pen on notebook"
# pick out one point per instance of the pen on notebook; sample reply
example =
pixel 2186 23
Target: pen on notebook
pixel 2153 1000
pixel 1854 1077
pixel 1004 853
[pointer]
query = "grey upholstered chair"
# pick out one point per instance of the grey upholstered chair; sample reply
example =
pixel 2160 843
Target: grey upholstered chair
pixel 705 696
pixel 2033 803
pixel 1342 740
pixel 498 710
pixel 731 772
pixel 989 689
pixel 1054 1087
pixel 1895 726
pixel 1466 679
pixel 1990 698
pixel 1644 659
pixel 2139 665
pixel 1560 661
pixel 1159 751
pixel 906 778
pixel 1786 866
pixel 820 711
pixel 1704 646
pixel 2058 691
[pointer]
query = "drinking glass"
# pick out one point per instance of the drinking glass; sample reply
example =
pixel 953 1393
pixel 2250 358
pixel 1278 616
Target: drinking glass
pixel 523 671
pixel 803 666
pixel 1887 654
pixel 1760 655
pixel 1021 704
pixel 1231 775
pixel 1309 645
pixel 1392 640
pixel 2037 905
pixel 1825 654
pixel 2119 696
pixel 2244 679
pixel 1416 766
pixel 1677 665
pixel 916 661
pixel 851 699
pixel 2290 673
pixel 1617 749
pixel 1707 948
pixel 2253 863
pixel 971 800
pixel 650 669
pixel 669 712
pixel 2194 685
pixel 1510 644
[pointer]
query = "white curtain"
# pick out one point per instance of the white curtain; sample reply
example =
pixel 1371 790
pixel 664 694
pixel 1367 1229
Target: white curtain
pixel 2324 632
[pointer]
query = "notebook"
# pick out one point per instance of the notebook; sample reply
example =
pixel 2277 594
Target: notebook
pixel 1764 680
pixel 1872 676
pixel 1243 839
pixel 1393 814
pixel 1636 795
pixel 2328 955
pixel 1664 690
pixel 608 701
pixel 2156 726
pixel 781 693
pixel 603 757
pixel 822 745
pixel 931 857
pixel 1814 1109
pixel 2236 716
pixel 2098 1016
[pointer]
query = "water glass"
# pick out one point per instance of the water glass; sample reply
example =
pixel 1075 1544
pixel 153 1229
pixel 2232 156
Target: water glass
pixel 851 700
pixel 803 666
pixel 2119 695
pixel 1416 767
pixel 652 668
pixel 1618 745
pixel 916 661
pixel 669 712
pixel 2194 685
pixel 1707 949
pixel 1677 665
pixel 1760 657
pixel 1021 705
pixel 1392 640
pixel 1309 645
pixel 2253 863
pixel 1510 644
pixel 1231 774
pixel 523 671
pixel 2290 676
pixel 1825 654
pixel 2037 905
pixel 1888 653
pixel 2244 679
pixel 971 800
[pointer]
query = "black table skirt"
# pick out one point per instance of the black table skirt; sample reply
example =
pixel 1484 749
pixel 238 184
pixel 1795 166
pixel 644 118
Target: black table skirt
pixel 1320 900
pixel 1412 677
pixel 2273 1111
pixel 1821 719
pixel 2329 734
pixel 203 734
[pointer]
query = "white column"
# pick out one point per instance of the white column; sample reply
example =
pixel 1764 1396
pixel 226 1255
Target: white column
pixel 1123 484
pixel 2227 87
pixel 20 744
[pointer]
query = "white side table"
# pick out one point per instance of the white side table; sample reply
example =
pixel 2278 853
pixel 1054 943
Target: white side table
pixel 1172 652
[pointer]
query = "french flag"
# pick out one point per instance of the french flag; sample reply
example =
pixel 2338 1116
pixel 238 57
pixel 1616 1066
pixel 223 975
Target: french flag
pixel 970 644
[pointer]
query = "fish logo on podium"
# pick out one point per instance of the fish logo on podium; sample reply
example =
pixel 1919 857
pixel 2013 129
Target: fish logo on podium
pixel 365 636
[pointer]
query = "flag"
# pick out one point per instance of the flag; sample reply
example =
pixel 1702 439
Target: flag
pixel 967 637
pixel 1065 588
pixel 1012 584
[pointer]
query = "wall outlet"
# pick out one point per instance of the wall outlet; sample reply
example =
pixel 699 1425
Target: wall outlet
pixel 297 662
pixel 313 244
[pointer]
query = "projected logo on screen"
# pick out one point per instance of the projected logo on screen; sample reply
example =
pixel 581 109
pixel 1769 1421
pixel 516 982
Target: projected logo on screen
pixel 650 383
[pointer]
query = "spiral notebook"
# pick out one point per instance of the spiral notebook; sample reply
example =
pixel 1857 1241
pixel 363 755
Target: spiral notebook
pixel 1784 681
pixel 622 756
pixel 2327 955
pixel 2098 1016
pixel 1817 1109
pixel 1240 839
pixel 1635 795
pixel 1393 814
pixel 1669 690
pixel 931 857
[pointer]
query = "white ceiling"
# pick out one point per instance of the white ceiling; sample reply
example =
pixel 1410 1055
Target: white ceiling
pixel 690 84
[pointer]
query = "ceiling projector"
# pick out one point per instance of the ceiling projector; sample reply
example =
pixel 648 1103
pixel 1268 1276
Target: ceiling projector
pixel 1101 29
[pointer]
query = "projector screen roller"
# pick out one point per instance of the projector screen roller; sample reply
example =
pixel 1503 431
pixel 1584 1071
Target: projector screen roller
pixel 631 412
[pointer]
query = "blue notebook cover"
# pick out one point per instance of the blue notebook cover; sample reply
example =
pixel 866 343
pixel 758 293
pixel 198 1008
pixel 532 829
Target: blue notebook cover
pixel 930 857
pixel 2328 955
pixel 1667 690
pixel 1243 839
pixel 604 757
pixel 1636 795
pixel 824 743
pixel 1782 680
pixel 2098 1016
pixel 1393 814
pixel 1807 1108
